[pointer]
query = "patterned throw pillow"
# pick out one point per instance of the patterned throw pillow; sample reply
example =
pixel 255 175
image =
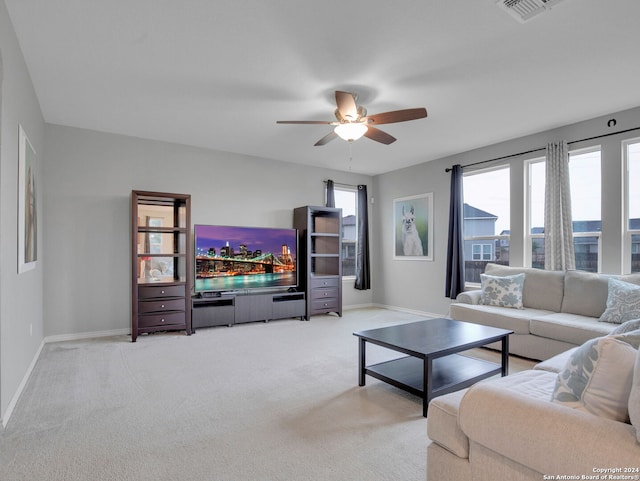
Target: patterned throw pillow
pixel 598 376
pixel 623 302
pixel 502 291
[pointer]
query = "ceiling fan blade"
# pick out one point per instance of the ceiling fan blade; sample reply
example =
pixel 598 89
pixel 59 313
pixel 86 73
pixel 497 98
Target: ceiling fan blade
pixel 326 139
pixel 397 116
pixel 310 122
pixel 379 136
pixel 346 105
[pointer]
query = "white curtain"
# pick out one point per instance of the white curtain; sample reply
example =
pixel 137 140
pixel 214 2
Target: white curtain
pixel 559 253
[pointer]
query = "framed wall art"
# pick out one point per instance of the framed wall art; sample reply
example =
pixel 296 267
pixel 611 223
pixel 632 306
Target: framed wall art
pixel 27 205
pixel 413 227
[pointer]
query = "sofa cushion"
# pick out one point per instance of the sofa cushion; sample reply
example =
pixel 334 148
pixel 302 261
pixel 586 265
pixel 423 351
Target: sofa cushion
pixel 542 289
pixel 623 302
pixel 632 325
pixel 505 291
pixel 516 320
pixel 556 363
pixel 585 293
pixel 442 424
pixel 572 328
pixel 598 376
pixel 634 398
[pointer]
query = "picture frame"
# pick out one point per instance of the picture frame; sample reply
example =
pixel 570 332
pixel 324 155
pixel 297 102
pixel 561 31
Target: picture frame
pixel 27 204
pixel 413 227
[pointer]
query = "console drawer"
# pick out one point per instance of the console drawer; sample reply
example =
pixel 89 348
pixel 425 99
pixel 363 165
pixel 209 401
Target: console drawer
pixel 324 293
pixel 324 305
pixel 324 282
pixel 157 320
pixel 147 307
pixel 153 292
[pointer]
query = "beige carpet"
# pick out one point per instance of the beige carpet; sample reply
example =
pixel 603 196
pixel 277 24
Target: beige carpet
pixel 260 401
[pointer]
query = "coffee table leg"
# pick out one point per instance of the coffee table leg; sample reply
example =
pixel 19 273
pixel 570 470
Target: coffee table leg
pixel 505 355
pixel 362 361
pixel 426 383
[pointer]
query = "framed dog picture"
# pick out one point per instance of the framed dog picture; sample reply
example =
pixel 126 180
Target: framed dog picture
pixel 413 228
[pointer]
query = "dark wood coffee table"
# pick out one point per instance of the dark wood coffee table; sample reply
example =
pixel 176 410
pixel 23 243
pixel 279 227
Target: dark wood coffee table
pixel 433 366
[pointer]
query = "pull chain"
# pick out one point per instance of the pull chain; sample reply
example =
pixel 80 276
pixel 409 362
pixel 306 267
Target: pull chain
pixel 350 154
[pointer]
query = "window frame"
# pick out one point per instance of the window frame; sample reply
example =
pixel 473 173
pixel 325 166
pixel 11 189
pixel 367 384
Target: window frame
pixel 628 233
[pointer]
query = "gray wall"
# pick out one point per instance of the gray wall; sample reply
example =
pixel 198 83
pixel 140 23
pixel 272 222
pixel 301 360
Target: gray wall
pixel 419 285
pixel 88 181
pixel 21 318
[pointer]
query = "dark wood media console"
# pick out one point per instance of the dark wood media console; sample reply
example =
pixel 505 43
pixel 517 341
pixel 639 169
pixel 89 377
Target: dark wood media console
pixel 238 308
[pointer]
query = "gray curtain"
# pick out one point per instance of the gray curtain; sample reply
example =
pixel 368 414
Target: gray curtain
pixel 363 270
pixel 559 252
pixel 331 196
pixel 455 249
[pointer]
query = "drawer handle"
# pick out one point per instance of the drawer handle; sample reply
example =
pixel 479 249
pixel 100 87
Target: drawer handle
pixel 162 305
pixel 162 320
pixel 325 294
pixel 161 292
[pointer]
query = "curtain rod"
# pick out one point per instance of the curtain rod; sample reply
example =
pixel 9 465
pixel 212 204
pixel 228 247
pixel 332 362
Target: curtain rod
pixel 341 184
pixel 448 169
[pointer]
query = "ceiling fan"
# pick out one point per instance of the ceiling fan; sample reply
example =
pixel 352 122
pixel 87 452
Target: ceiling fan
pixel 353 122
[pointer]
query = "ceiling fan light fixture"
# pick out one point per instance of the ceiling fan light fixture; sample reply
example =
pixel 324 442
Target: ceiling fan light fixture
pixel 351 131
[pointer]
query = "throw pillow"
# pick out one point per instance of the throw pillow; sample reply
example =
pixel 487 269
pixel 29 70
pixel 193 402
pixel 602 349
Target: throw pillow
pixel 598 376
pixel 502 291
pixel 623 302
pixel 634 398
pixel 632 325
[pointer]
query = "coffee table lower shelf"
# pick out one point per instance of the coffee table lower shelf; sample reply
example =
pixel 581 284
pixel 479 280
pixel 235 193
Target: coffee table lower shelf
pixel 449 373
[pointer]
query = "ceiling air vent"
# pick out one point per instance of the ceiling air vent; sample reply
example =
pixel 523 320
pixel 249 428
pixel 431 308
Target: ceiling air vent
pixel 524 10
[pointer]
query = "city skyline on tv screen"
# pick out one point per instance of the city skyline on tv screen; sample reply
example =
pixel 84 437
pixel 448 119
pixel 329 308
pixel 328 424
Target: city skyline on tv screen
pixel 266 239
pixel 234 258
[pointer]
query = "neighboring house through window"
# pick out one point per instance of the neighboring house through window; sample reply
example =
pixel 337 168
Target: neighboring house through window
pixel 346 199
pixel 485 220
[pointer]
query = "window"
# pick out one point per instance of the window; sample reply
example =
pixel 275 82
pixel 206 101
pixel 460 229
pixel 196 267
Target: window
pixel 347 200
pixel 486 220
pixel 631 152
pixel 535 219
pixel 584 171
pixel 482 252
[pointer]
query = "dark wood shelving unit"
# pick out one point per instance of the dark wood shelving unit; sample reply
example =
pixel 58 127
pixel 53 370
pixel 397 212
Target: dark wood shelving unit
pixel 161 269
pixel 320 262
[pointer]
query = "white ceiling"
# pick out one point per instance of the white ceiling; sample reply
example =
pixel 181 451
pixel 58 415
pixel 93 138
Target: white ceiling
pixel 219 73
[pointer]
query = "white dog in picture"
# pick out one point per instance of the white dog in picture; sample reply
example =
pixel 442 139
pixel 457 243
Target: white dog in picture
pixel 411 242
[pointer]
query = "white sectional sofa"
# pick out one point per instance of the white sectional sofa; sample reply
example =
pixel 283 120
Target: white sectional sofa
pixel 561 310
pixel 512 428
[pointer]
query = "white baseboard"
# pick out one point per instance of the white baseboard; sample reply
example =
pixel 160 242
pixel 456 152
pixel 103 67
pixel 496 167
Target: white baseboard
pixel 14 400
pixel 86 335
pixel 410 311
pixel 357 306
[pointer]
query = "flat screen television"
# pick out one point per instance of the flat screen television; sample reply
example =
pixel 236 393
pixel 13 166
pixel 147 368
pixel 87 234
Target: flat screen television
pixel 234 258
